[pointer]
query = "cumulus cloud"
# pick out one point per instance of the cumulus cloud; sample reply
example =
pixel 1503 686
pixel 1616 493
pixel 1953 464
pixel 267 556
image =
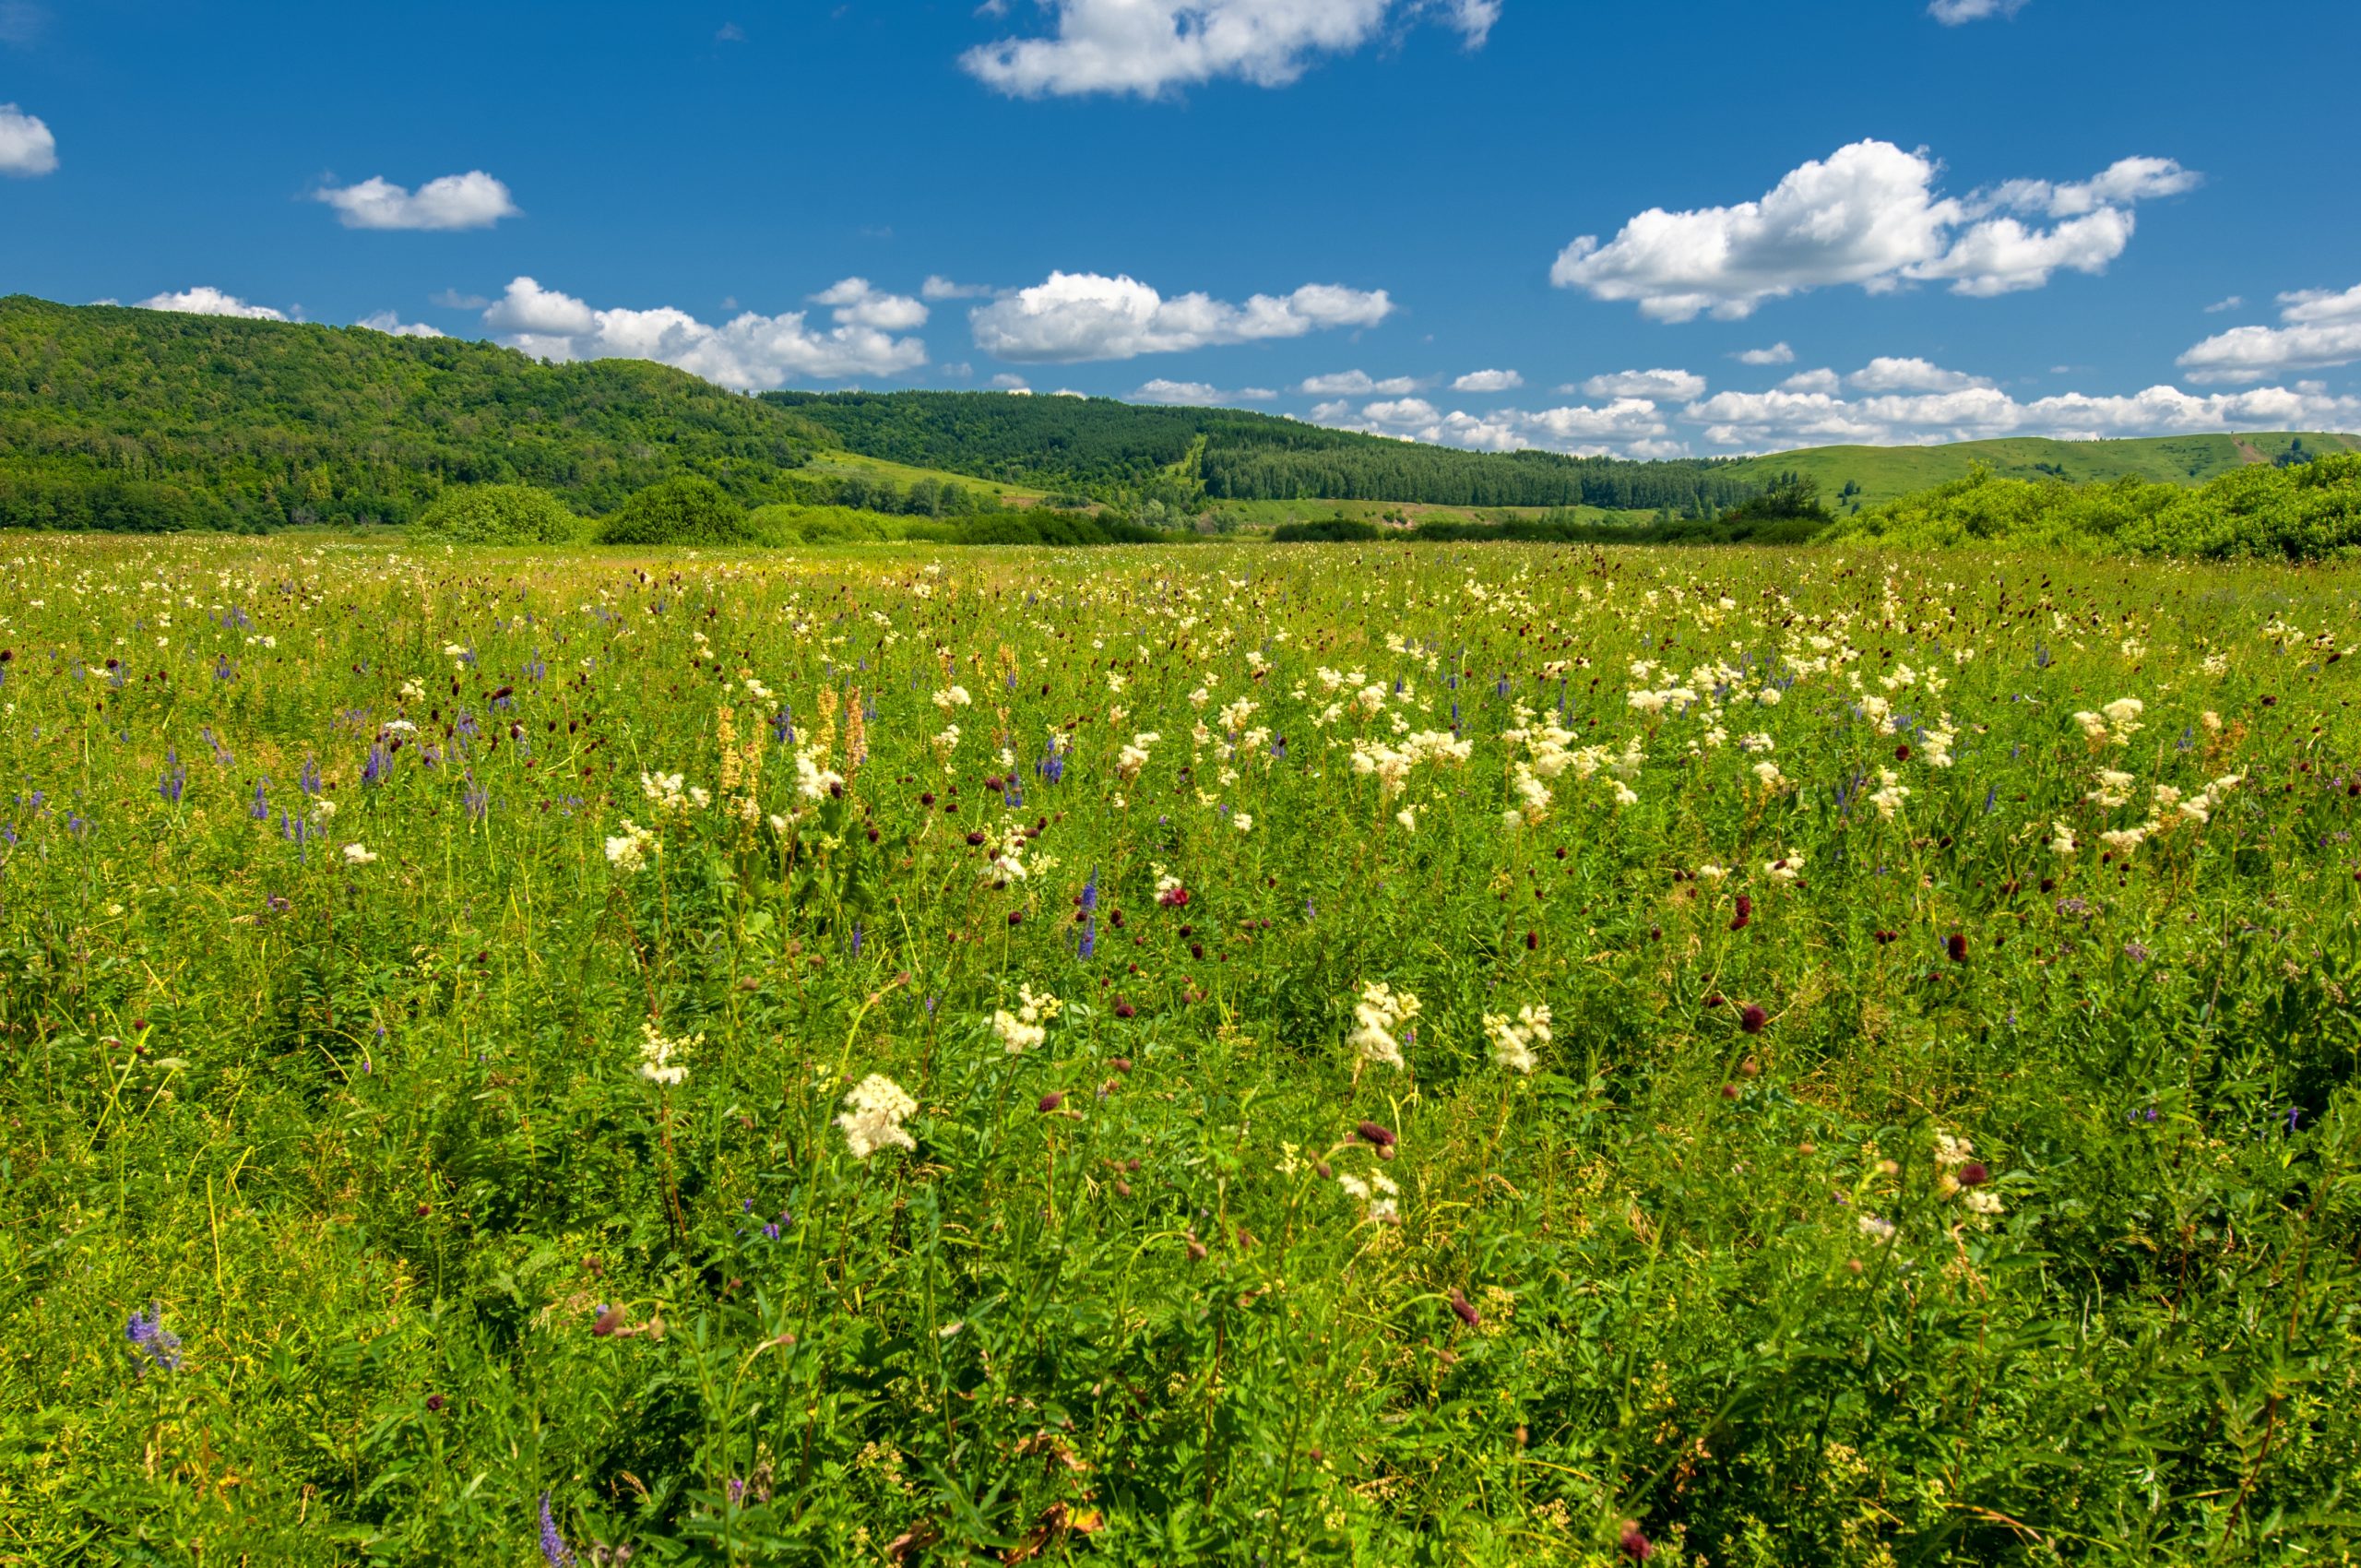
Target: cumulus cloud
pixel 1813 381
pixel 1007 382
pixel 2321 329
pixel 393 325
pixel 2234 302
pixel 1085 316
pixel 857 303
pixel 1489 381
pixel 1778 353
pixel 1886 374
pixel 1953 12
pixel 473 200
pixel 747 353
pixel 1625 427
pixel 205 300
pixel 1356 384
pixel 26 147
pixel 938 287
pixel 1867 215
pixel 1150 47
pixel 1197 394
pixel 1770 420
pixel 1652 386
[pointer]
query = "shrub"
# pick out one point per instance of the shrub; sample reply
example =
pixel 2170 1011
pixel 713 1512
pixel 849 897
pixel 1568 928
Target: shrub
pixel 684 511
pixel 495 514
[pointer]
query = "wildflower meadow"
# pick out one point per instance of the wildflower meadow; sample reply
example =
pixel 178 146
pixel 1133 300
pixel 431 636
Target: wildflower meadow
pixel 1217 1054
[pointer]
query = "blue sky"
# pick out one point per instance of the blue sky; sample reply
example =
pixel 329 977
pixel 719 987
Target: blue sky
pixel 1922 221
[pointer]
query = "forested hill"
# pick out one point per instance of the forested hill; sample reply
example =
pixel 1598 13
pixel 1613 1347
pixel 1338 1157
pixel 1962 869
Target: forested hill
pixel 117 418
pixel 1098 446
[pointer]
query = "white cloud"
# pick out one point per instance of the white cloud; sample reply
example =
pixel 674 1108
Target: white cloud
pixel 1150 47
pixel 1356 384
pixel 1198 394
pixel 473 200
pixel 749 352
pixel 393 325
pixel 1813 381
pixel 1761 421
pixel 1886 374
pixel 1628 427
pixel 1867 215
pixel 1489 381
pixel 205 300
pixel 1007 382
pixel 1778 353
pixel 1952 13
pixel 27 148
pixel 1187 394
pixel 2321 328
pixel 2234 302
pixel 2315 306
pixel 1653 386
pixel 857 303
pixel 1084 316
pixel 938 287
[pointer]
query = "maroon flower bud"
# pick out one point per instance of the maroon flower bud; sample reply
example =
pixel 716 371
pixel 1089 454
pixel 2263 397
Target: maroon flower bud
pixel 1466 1309
pixel 1050 1102
pixel 1371 1132
pixel 1956 946
pixel 1532 941
pixel 608 1321
pixel 1632 1544
pixel 1016 916
pixel 1752 1018
pixel 1902 753
pixel 1125 1009
pixel 435 1402
pixel 1975 1173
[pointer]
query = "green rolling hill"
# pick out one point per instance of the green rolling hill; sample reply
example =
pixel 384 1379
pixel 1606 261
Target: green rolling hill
pixel 1885 473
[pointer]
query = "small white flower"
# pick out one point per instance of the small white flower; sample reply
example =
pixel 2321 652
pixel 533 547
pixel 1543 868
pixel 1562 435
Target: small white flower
pixel 359 855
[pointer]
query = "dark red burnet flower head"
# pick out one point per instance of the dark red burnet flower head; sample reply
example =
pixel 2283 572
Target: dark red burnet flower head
pixel 1465 1309
pixel 1975 1173
pixel 1745 916
pixel 1956 946
pixel 1632 1544
pixel 1176 899
pixel 1752 1018
pixel 1373 1134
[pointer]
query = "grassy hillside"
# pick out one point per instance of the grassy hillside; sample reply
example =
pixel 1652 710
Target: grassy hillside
pixel 134 418
pixel 1189 458
pixel 1886 472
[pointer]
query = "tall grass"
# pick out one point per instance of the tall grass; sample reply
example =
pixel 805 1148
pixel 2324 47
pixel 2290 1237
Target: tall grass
pixel 441 992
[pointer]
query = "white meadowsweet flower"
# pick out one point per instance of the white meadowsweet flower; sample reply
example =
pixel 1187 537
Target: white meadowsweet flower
pixel 880 1106
pixel 628 850
pixel 1378 1018
pixel 359 855
pixel 656 1053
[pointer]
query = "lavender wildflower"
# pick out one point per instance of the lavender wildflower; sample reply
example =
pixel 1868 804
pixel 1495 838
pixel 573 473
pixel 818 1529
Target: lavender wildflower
pixel 175 777
pixel 554 1552
pixel 147 1330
